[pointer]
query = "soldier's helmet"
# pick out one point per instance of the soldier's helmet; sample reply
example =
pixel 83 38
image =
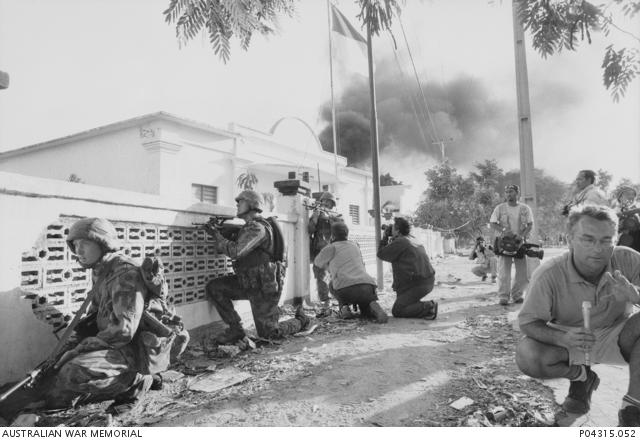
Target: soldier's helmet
pixel 627 192
pixel 253 198
pixel 327 196
pixel 96 229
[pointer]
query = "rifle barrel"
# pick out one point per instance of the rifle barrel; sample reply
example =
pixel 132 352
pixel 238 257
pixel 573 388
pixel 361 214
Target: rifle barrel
pixel 17 386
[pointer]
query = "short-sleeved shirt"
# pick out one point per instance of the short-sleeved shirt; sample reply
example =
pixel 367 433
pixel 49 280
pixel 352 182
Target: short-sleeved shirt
pixel 344 260
pixel 590 195
pixel 557 290
pixel 512 218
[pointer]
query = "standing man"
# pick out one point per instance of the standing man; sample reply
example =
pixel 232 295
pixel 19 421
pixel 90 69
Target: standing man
pixel 320 236
pixel 350 282
pixel 555 342
pixel 256 277
pixel 586 192
pixel 413 275
pixel 512 221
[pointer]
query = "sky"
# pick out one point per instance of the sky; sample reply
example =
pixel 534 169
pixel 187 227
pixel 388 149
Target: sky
pixel 78 64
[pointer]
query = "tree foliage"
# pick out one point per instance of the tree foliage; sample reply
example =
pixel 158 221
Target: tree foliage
pixel 247 181
pixel 224 20
pixel 562 24
pixel 453 200
pixel 603 179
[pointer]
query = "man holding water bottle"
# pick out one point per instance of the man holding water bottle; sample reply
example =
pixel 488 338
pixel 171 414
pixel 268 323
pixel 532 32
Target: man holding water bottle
pixel 578 312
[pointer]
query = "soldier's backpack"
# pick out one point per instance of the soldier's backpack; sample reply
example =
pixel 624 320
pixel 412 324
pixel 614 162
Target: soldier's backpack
pixel 277 237
pixel 161 331
pixel 279 254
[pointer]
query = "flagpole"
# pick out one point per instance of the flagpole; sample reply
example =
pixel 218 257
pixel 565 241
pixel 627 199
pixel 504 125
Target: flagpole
pixel 374 154
pixel 333 103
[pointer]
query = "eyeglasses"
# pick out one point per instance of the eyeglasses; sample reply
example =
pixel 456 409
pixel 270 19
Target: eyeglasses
pixel 590 242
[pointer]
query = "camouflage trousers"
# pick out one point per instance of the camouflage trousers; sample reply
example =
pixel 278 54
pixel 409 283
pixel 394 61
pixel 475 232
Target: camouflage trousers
pixel 105 374
pixel 321 283
pixel 264 307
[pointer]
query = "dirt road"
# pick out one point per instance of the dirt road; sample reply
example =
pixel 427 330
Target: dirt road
pixel 407 372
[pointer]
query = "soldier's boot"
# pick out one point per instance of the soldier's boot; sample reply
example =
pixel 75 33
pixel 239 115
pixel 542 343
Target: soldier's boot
pixel 325 309
pixel 127 401
pixel 231 335
pixel 378 313
pixel 302 318
pixel 345 313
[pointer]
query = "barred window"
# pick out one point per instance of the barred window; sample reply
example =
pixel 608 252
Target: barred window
pixel 205 193
pixel 354 212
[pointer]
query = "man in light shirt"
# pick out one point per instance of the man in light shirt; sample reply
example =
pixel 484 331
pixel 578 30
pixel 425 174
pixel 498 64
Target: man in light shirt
pixel 556 342
pixel 350 282
pixel 514 219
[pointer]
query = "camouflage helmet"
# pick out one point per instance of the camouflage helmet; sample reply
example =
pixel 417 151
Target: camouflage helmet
pixel 327 196
pixel 253 198
pixel 625 188
pixel 96 229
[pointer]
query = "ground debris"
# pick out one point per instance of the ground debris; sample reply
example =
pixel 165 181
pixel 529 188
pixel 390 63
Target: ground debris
pixel 219 380
pixel 461 403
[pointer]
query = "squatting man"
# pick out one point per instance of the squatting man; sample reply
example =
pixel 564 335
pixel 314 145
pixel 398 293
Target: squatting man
pixel 556 343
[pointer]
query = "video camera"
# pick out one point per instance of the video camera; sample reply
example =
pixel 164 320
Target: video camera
pixel 387 229
pixel 515 246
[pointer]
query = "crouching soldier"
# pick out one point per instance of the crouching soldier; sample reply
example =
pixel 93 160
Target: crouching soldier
pixel 108 364
pixel 256 277
pixel 350 282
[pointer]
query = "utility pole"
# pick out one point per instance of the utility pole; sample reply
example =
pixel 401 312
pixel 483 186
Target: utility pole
pixel 375 172
pixel 527 182
pixel 441 144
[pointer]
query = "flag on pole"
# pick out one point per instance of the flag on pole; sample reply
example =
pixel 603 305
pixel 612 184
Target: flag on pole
pixel 341 25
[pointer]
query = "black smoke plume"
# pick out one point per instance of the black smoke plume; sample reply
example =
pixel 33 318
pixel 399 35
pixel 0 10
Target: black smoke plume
pixel 473 125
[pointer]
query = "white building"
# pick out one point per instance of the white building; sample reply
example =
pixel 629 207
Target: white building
pixel 192 162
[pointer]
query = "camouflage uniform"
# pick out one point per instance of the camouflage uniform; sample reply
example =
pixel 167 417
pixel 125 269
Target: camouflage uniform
pixel 256 279
pixel 320 231
pixel 108 364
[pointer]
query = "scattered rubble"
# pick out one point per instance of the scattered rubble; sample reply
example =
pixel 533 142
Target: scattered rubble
pixel 219 380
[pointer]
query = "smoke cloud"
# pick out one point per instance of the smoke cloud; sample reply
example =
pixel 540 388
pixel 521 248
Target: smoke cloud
pixel 473 125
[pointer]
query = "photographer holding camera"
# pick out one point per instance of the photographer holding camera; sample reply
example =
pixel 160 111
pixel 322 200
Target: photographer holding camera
pixel 486 260
pixel 413 275
pixel 512 221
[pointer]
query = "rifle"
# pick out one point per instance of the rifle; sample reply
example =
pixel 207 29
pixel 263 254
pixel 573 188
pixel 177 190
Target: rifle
pixel 228 231
pixel 316 206
pixel 61 347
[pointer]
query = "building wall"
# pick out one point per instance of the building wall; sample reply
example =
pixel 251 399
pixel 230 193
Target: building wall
pixel 115 160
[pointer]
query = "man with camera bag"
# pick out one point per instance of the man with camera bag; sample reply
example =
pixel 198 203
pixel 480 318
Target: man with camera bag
pixel 413 275
pixel 512 221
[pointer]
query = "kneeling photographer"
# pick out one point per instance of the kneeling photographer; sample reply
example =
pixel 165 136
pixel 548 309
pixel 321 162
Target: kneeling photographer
pixel 512 221
pixel 413 275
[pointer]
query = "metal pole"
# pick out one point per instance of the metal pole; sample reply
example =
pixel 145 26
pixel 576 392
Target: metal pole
pixel 374 154
pixel 527 182
pixel 333 103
